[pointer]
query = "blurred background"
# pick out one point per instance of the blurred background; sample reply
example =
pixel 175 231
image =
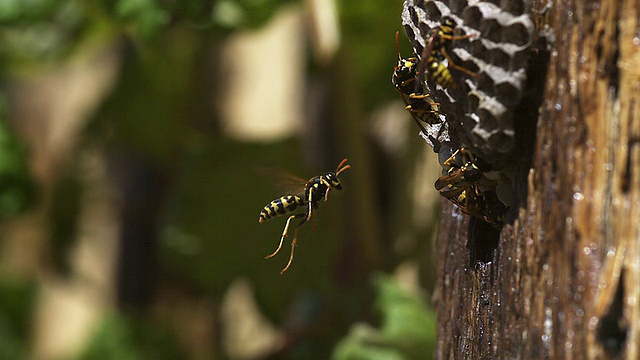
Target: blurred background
pixel 139 141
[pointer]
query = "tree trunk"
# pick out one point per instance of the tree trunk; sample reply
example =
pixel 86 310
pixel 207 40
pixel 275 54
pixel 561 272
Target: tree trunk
pixel 562 278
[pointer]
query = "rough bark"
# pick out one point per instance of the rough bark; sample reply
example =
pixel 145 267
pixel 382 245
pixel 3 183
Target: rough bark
pixel 562 279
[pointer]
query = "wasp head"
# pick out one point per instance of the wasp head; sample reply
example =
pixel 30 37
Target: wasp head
pixel 405 67
pixel 333 180
pixel 448 22
pixel 332 177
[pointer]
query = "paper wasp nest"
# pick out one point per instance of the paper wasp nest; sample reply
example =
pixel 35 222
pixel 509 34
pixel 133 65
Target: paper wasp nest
pixel 479 109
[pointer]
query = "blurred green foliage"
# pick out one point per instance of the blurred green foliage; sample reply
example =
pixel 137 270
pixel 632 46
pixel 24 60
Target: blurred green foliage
pixel 210 230
pixel 369 29
pixel 146 17
pixel 45 30
pixel 126 339
pixel 17 190
pixel 235 14
pixel 407 329
pixel 17 301
pixel 39 31
pixel 64 221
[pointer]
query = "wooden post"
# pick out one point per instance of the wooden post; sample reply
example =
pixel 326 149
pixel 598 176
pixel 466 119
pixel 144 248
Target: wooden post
pixel 562 279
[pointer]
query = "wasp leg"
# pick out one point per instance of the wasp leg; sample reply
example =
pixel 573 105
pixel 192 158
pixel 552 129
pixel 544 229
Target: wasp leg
pixel 452 158
pixel 456 37
pixel 419 96
pixel 406 102
pixel 310 207
pixel 284 234
pixel 421 112
pixel 293 247
pixel 294 243
pixel 326 194
pixel 458 67
pixel 407 82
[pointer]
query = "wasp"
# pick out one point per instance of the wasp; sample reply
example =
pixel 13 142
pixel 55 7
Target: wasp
pixel 462 185
pixel 464 170
pixel 315 189
pixel 419 105
pixel 482 205
pixel 404 73
pixel 434 54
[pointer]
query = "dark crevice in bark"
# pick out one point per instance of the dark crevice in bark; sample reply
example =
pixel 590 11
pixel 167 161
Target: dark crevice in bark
pixel 525 124
pixel 628 166
pixel 483 240
pixel 611 66
pixel 612 332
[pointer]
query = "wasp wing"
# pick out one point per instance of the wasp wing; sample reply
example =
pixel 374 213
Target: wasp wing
pixel 284 181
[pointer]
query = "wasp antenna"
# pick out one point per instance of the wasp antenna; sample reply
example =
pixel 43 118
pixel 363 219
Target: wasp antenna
pixel 398 44
pixel 425 55
pixel 342 168
pixel 458 67
pixel 340 164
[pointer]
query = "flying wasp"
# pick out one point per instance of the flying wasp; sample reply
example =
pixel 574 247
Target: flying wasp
pixel 434 54
pixel 315 189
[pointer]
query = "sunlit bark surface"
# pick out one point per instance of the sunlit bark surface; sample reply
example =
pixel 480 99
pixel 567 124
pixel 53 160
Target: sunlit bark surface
pixel 562 280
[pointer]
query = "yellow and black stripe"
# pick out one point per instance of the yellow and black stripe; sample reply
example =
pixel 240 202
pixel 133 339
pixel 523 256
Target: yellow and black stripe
pixel 484 206
pixel 422 108
pixel 435 53
pixel 280 206
pixel 440 73
pixel 444 35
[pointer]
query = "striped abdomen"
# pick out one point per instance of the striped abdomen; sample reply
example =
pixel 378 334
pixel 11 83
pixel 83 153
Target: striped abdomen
pixel 440 74
pixel 280 206
pixel 422 109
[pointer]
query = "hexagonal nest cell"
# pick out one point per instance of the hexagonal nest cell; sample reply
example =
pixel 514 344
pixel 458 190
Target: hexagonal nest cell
pixel 492 41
